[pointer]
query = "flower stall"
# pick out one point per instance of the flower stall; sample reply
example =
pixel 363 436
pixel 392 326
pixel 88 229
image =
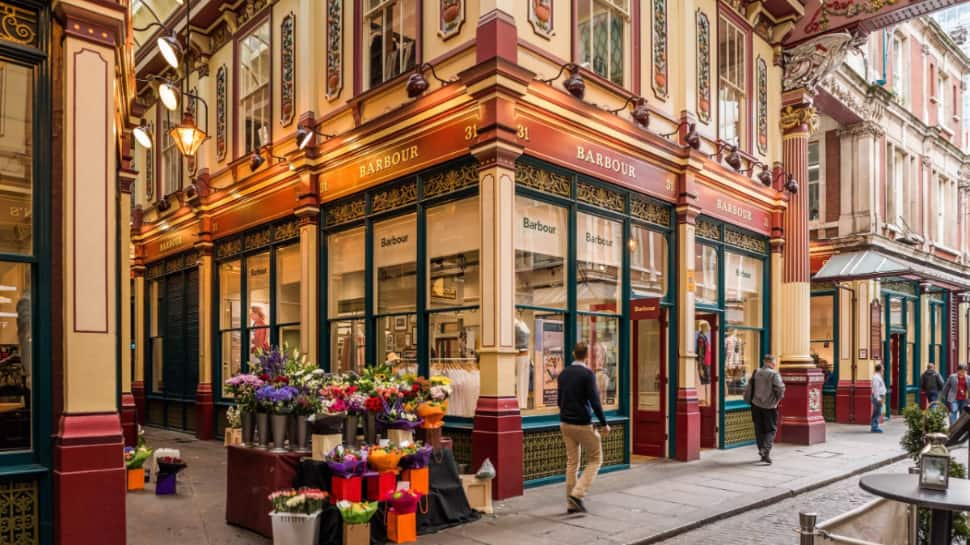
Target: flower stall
pixel 360 429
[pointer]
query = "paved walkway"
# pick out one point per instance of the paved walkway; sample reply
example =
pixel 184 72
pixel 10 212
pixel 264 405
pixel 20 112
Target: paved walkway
pixel 648 503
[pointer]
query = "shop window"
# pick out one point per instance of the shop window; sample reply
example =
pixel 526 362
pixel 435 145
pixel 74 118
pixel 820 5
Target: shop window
pixel 602 335
pixel 230 318
pixel 705 274
pixel 602 35
pixel 823 337
pixel 390 33
pixel 288 295
pixel 253 82
pixel 541 356
pixel 155 300
pixel 171 157
pixel 395 289
pixel 16 350
pixel 599 258
pixel 454 238
pixel 540 253
pixel 257 283
pixel 732 82
pixel 345 265
pixel 648 262
pixel 743 313
pixel 742 349
pixel 898 66
pixel 814 181
pixel 16 170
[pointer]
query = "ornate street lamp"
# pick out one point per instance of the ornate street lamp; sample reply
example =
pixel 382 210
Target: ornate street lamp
pixel 187 135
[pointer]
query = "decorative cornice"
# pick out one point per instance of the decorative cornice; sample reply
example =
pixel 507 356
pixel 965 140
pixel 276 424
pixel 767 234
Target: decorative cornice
pixel 809 63
pixel 862 104
pixel 862 129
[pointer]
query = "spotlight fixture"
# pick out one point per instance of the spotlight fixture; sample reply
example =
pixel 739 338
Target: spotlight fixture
pixel 255 161
pixel 733 157
pixel 170 49
pixel 304 134
pixel 142 135
pixel 639 110
pixel 692 139
pixel 765 175
pixel 574 84
pixel 168 95
pixel 417 84
pixel 791 184
pixel 187 135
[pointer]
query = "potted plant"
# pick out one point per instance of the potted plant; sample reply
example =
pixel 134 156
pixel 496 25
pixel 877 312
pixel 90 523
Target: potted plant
pixel 296 515
pixel 168 468
pixel 356 517
pixel 233 435
pixel 277 399
pixel 135 459
pixel 399 421
pixel 243 388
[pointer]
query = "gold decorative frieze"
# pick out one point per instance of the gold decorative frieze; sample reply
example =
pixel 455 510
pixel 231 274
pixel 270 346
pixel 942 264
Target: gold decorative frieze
pixel 708 229
pixel 17 24
pixel 544 454
pixel 173 264
pixel 600 196
pixel 18 512
pixel 226 248
pixel 258 239
pixel 451 180
pixel 738 427
pixel 900 287
pixel 395 197
pixel 542 180
pixel 650 211
pixel 346 212
pixel 746 241
pixel 286 231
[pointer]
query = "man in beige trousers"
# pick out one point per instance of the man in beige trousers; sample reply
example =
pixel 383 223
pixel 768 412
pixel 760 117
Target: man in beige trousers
pixel 579 400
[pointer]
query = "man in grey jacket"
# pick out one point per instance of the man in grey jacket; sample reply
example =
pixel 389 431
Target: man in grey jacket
pixel 764 391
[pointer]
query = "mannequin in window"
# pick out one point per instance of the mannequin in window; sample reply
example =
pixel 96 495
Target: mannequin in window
pixel 522 364
pixel 734 361
pixel 702 349
pixel 260 333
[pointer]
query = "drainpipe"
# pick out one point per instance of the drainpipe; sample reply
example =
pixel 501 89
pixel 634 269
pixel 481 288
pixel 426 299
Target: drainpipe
pixel 885 58
pixel 855 327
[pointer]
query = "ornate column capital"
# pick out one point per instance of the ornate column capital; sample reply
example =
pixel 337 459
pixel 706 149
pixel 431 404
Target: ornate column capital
pixel 797 118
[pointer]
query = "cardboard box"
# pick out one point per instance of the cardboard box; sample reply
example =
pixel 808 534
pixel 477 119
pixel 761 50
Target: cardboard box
pixel 356 534
pixel 419 479
pixel 345 489
pixel 398 437
pixel 478 492
pixel 381 485
pixel 402 528
pixel 233 437
pixel 321 445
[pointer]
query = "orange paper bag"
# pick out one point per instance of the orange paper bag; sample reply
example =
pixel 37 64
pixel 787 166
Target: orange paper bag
pixel 136 479
pixel 419 480
pixel 402 528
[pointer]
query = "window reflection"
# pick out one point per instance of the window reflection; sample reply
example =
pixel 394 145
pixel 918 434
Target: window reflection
pixel 16 348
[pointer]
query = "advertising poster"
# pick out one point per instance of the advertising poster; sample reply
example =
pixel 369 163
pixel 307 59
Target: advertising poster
pixel 549 352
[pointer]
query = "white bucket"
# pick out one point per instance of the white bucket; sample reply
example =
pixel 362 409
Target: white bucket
pixel 295 529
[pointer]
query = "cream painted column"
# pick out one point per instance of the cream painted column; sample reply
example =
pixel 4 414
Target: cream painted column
pixel 687 417
pixel 778 315
pixel 139 333
pixel 205 392
pixel 126 178
pixel 309 282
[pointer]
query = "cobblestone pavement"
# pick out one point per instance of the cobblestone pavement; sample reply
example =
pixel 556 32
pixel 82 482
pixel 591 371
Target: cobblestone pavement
pixel 774 525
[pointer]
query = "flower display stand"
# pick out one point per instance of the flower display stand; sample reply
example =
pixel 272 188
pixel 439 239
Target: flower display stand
pixel 136 479
pixel 233 437
pixel 321 445
pixel 295 529
pixel 402 528
pixel 380 485
pixel 356 534
pixel 479 493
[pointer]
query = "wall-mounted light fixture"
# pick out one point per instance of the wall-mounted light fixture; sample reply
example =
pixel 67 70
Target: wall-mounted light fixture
pixel 574 84
pixel 691 139
pixel 169 95
pixel 638 110
pixel 791 184
pixel 304 134
pixel 142 135
pixel 187 135
pixel 733 157
pixel 417 84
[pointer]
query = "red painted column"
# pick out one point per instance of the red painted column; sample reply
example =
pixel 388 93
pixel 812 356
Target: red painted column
pixel 129 419
pixel 801 410
pixel 204 412
pixel 138 395
pixel 497 435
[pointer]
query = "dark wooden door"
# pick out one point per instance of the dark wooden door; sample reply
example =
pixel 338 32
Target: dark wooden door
pixel 649 364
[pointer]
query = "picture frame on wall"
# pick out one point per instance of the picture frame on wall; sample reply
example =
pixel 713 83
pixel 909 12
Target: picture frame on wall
pixel 413 320
pixel 400 341
pixel 400 323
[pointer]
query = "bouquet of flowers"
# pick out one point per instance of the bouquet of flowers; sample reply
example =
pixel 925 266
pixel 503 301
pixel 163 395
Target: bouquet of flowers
pixel 440 390
pixel 278 398
pixel 304 501
pixel 357 512
pixel 416 457
pixel 382 460
pixel 170 465
pixel 374 404
pixel 305 404
pixel 404 501
pixel 135 458
pixel 233 417
pixel 345 462
pixel 396 417
pixel 243 388
pixel 269 363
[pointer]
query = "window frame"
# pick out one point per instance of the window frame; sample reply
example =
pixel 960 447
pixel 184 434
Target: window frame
pixel 744 30
pixel 361 81
pixel 238 144
pixel 630 61
pixel 165 123
pixel 818 168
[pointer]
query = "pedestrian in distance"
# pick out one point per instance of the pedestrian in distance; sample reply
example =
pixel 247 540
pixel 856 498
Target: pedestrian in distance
pixel 954 393
pixel 878 397
pixel 579 400
pixel 930 383
pixel 764 392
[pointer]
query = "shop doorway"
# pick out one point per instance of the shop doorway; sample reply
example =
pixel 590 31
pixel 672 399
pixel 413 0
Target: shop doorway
pixel 894 369
pixel 649 364
pixel 706 346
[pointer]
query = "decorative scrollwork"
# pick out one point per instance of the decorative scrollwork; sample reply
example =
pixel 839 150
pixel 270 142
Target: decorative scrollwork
pixel 287 69
pixel 173 264
pixel 346 212
pixel 659 33
pixel 19 512
pixel 703 67
pixel 395 197
pixel 286 231
pixel 17 25
pixel 258 239
pixel 707 229
pixel 600 196
pixel 451 180
pixel 796 116
pixel 542 180
pixel 745 241
pixel 230 247
pixel 650 211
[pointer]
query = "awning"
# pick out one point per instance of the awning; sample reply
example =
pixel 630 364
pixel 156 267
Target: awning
pixel 875 264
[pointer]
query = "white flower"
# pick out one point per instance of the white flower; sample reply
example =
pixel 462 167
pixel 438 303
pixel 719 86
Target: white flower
pixel 296 501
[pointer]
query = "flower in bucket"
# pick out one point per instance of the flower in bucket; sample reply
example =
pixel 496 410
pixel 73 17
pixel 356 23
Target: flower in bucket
pixel 404 501
pixel 396 417
pixel 440 389
pixel 356 512
pixel 233 417
pixel 305 501
pixel 243 389
pixel 277 398
pixel 374 404
pixel 345 462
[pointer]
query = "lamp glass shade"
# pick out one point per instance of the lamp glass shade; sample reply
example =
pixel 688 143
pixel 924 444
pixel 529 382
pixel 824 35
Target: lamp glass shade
pixel 934 464
pixel 142 137
pixel 304 136
pixel 168 95
pixel 188 137
pixel 169 48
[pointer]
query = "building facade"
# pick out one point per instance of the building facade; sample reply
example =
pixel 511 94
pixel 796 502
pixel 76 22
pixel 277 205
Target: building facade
pixel 888 216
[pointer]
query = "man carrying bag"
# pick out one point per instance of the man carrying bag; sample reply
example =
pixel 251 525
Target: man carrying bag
pixel 764 391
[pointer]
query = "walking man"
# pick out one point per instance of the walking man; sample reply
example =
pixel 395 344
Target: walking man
pixel 878 396
pixel 578 400
pixel 930 382
pixel 764 391
pixel 955 392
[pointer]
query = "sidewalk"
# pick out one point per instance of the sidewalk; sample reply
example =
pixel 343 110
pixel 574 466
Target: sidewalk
pixel 645 504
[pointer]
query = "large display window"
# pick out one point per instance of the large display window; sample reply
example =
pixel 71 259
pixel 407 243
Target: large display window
pixel 346 270
pixel 648 262
pixel 395 291
pixel 823 327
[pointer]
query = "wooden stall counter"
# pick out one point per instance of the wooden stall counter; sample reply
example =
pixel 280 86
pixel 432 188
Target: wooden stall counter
pixel 252 475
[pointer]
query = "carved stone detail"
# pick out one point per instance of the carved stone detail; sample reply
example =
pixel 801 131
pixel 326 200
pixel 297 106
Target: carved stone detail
pixel 650 211
pixel 707 229
pixel 809 63
pixel 795 116
pixel 346 212
pixel 745 241
pixel 600 196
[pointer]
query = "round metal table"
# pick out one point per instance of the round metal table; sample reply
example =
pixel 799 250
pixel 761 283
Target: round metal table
pixel 941 503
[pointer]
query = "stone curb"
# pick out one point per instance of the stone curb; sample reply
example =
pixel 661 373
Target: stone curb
pixel 693 525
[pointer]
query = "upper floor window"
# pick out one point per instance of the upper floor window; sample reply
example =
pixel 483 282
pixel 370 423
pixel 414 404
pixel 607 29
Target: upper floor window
pixel 390 33
pixel 171 157
pixel 731 88
pixel 814 181
pixel 941 96
pixel 898 66
pixel 602 34
pixel 254 86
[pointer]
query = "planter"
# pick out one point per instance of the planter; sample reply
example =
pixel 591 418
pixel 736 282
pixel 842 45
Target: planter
pixel 165 484
pixel 136 479
pixel 302 434
pixel 350 430
pixel 399 437
pixel 432 414
pixel 278 423
pixel 292 421
pixel 370 429
pixel 295 528
pixel 248 427
pixel 262 430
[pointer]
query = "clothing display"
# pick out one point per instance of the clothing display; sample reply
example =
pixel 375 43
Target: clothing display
pixel 523 365
pixel 734 365
pixel 466 383
pixel 703 351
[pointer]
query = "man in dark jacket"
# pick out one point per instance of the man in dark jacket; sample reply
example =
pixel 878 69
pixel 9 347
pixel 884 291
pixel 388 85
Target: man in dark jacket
pixel 764 391
pixel 578 400
pixel 930 382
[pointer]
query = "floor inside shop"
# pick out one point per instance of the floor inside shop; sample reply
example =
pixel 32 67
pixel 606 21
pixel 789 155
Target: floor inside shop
pixel 654 496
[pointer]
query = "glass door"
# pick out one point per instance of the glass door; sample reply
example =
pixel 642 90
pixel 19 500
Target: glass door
pixel 649 357
pixel 706 347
